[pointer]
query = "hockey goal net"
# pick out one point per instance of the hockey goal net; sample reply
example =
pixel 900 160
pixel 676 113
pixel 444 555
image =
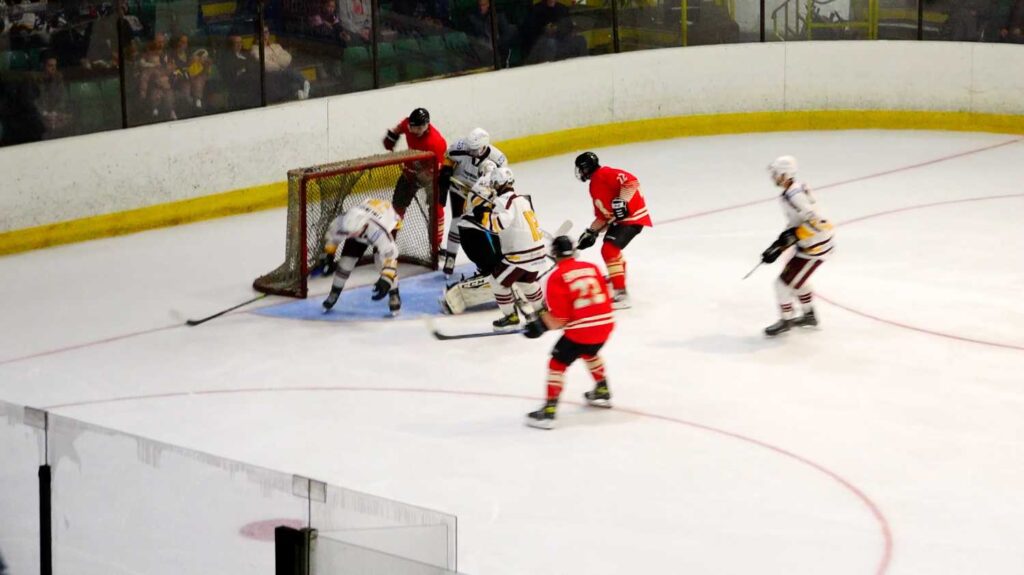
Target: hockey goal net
pixel 318 194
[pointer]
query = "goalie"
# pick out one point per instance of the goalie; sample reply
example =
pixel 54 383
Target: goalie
pixel 371 224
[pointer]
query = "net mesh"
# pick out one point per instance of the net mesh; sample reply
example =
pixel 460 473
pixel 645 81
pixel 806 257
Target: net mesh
pixel 318 194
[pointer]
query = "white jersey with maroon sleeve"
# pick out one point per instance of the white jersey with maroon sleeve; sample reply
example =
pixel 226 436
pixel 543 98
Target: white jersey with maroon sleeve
pixel 513 220
pixel 813 230
pixel 378 233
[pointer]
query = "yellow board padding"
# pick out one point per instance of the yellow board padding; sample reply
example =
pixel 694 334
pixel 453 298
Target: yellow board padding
pixel 107 225
pixel 519 150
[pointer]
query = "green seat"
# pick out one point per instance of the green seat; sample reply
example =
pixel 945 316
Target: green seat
pixel 19 60
pixel 457 41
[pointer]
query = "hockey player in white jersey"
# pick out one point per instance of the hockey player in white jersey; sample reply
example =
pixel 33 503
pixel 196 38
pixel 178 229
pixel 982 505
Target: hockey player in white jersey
pixel 811 232
pixel 370 224
pixel 523 253
pixel 466 161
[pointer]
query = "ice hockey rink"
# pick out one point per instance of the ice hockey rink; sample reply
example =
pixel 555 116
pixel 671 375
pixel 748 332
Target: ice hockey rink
pixel 886 441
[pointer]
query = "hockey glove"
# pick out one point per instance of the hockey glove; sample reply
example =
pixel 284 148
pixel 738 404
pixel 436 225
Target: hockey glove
pixel 587 239
pixel 535 328
pixel 390 140
pixel 325 266
pixel 620 209
pixel 786 239
pixel 380 289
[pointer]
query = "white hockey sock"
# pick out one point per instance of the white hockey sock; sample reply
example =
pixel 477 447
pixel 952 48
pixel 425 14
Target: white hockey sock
pixel 533 294
pixel 806 298
pixel 345 266
pixel 454 240
pixel 784 295
pixel 506 300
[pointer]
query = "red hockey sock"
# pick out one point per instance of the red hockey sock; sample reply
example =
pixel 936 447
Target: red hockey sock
pixel 556 378
pixel 595 365
pixel 615 263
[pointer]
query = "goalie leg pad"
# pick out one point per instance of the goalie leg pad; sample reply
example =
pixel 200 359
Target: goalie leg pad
pixel 468 293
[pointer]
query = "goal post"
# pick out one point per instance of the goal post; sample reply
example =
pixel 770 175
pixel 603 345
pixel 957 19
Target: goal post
pixel 318 194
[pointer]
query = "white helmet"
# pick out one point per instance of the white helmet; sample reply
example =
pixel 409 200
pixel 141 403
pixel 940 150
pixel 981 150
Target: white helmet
pixel 501 178
pixel 784 167
pixel 477 140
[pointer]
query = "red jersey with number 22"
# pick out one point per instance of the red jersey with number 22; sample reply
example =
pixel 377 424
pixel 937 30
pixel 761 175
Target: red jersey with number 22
pixel 606 184
pixel 578 295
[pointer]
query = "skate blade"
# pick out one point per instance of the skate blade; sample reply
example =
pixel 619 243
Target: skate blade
pixel 621 305
pixel 396 313
pixel 540 423
pixel 602 403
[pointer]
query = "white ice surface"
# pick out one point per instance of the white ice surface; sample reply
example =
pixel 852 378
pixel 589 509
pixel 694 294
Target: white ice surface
pixel 864 447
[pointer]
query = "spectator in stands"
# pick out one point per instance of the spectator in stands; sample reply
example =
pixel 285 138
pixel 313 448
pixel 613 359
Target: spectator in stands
pixel 965 21
pixel 1006 19
pixel 199 67
pixel 180 81
pixel 326 24
pixel 20 122
pixel 282 79
pixel 240 75
pixel 355 20
pixel 52 100
pixel 480 28
pixel 549 33
pixel 155 88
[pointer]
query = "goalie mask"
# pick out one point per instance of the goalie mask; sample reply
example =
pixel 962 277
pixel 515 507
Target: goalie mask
pixel 586 164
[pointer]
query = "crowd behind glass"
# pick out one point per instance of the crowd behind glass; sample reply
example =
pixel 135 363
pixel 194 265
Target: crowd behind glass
pixel 61 71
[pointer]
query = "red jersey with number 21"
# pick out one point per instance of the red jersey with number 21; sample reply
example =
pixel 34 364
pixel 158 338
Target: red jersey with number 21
pixel 578 295
pixel 606 184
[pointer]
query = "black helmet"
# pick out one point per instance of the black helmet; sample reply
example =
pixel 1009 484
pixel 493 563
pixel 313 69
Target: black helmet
pixel 562 247
pixel 586 164
pixel 419 117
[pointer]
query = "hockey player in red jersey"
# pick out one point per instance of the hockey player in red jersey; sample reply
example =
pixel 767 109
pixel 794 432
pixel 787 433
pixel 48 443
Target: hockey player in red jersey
pixel 578 302
pixel 419 134
pixel 619 210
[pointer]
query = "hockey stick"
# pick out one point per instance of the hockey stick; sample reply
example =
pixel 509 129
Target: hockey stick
pixel 195 322
pixel 448 337
pixel 752 271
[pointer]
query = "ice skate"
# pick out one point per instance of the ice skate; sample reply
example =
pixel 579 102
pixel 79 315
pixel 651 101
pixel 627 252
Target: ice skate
pixel 806 320
pixel 449 263
pixel 332 299
pixel 394 302
pixel 778 327
pixel 599 396
pixel 543 418
pixel 510 321
pixel 620 299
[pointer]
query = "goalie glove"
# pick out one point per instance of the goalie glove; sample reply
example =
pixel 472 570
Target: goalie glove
pixel 620 209
pixel 587 239
pixel 535 328
pixel 390 140
pixel 786 239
